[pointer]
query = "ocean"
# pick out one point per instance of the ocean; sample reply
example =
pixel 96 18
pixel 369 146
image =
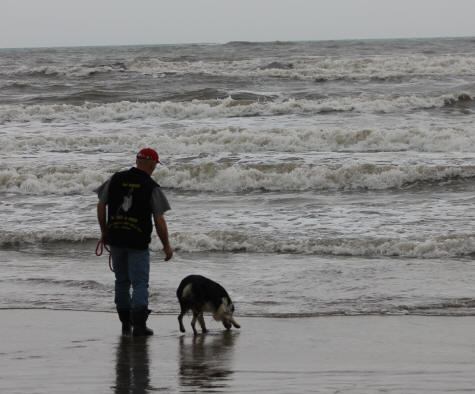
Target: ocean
pixel 308 178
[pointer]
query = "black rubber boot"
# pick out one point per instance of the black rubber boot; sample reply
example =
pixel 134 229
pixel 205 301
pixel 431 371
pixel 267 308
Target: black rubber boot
pixel 139 318
pixel 125 318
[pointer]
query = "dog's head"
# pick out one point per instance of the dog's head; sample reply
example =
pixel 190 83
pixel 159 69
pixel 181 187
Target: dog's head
pixel 226 309
pixel 225 313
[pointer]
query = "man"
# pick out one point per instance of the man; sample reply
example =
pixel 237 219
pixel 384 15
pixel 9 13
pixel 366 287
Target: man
pixel 132 198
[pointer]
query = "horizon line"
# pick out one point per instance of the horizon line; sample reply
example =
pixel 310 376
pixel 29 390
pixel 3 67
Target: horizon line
pixel 238 41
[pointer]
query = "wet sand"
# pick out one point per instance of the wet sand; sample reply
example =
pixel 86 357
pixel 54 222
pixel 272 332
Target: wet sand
pixel 45 351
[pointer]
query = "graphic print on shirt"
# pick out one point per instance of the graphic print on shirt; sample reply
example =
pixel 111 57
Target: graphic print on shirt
pixel 121 220
pixel 127 203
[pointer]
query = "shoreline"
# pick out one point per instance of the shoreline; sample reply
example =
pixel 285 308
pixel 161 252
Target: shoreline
pixel 276 315
pixel 52 351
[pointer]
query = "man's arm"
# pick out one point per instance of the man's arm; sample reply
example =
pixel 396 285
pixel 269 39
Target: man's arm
pixel 162 232
pixel 102 218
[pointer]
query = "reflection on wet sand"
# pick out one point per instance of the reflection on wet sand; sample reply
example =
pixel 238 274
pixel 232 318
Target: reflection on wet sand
pixel 132 366
pixel 206 361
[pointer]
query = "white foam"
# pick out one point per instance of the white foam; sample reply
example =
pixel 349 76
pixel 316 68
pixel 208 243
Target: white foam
pixel 50 180
pixel 198 109
pixel 457 245
pixel 229 241
pixel 292 177
pixel 225 177
pixel 46 236
pixel 319 68
pixel 303 68
pixel 419 137
pixel 61 71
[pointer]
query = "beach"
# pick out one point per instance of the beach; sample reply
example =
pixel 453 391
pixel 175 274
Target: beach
pixel 46 351
pixel 328 186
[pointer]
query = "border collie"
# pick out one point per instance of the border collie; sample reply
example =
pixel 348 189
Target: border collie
pixel 200 294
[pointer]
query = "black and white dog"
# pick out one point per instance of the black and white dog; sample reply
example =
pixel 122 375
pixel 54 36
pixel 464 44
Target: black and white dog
pixel 200 294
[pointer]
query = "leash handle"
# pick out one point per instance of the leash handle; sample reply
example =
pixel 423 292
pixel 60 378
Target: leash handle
pixel 100 250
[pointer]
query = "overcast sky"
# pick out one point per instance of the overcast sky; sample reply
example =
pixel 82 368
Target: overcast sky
pixel 32 23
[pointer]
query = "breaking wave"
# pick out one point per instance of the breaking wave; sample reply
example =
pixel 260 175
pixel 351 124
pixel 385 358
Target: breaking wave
pixel 292 177
pixel 49 180
pixel 9 238
pixel 225 107
pixel 229 241
pixel 299 67
pixel 319 69
pixel 233 139
pixel 228 177
pixel 447 246
pixel 65 71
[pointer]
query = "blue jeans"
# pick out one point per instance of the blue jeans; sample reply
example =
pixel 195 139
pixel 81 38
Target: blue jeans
pixel 131 268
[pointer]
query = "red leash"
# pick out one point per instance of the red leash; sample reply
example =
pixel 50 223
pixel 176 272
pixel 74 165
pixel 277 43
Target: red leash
pixel 100 249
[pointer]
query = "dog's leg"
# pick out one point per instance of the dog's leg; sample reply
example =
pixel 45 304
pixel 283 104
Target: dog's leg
pixel 180 321
pixel 201 320
pixel 183 309
pixel 193 322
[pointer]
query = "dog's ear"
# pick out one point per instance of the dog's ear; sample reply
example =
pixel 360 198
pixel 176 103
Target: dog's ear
pixel 227 306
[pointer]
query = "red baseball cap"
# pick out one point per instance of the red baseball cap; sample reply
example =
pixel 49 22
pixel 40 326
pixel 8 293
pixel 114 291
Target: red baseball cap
pixel 148 154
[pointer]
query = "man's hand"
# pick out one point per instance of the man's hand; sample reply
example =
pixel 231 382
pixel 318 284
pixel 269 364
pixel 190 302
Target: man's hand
pixel 162 231
pixel 168 252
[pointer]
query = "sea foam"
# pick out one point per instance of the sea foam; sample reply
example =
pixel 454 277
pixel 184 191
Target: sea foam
pixel 413 247
pixel 227 107
pixel 445 246
pixel 314 68
pixel 416 137
pixel 228 177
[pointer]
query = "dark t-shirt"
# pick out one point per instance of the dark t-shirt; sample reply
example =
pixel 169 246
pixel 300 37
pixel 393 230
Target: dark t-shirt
pixel 159 202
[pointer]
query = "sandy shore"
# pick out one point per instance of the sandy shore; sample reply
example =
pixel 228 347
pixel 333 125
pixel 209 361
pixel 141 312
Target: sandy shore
pixel 46 351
